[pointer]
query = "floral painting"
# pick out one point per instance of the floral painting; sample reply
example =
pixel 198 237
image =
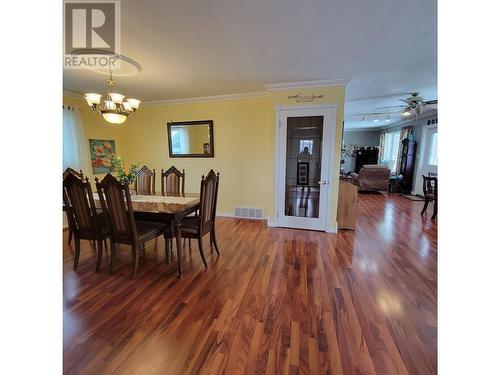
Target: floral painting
pixel 101 152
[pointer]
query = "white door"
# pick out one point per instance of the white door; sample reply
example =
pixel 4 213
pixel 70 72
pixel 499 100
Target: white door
pixel 428 156
pixel 305 146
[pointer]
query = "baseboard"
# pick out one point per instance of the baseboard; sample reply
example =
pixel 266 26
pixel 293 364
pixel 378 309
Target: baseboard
pixel 230 214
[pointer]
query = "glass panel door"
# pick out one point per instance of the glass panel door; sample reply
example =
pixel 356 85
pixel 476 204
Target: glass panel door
pixel 304 141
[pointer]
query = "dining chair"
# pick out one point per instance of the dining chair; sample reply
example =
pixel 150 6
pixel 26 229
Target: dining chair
pixel 145 181
pixel 198 226
pixel 430 189
pixel 172 181
pixel 116 202
pixel 79 175
pixel 71 170
pixel 83 218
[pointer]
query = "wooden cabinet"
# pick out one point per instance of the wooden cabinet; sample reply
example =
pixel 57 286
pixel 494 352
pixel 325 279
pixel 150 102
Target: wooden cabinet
pixel 347 210
pixel 365 156
pixel 407 164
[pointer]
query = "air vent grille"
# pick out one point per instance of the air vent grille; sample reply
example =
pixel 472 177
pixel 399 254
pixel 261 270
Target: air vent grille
pixel 249 212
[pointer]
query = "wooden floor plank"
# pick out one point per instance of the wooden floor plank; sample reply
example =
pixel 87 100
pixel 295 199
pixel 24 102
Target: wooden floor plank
pixel 276 301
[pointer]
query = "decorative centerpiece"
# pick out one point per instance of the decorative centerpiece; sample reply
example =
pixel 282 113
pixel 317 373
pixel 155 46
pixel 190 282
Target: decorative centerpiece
pixel 119 172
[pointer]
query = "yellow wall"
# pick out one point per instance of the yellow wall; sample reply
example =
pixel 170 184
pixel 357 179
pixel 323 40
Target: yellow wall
pixel 244 139
pixel 96 128
pixel 243 153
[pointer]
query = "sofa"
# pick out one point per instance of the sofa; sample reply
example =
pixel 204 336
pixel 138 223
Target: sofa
pixel 373 177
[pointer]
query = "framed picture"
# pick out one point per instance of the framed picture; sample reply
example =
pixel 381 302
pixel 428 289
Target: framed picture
pixel 101 152
pixel 302 173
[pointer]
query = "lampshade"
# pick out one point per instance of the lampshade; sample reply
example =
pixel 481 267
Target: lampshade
pixel 116 98
pixel 127 106
pixel 114 118
pixel 110 105
pixel 93 98
pixel 134 103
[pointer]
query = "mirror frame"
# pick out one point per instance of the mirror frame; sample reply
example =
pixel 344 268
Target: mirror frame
pixel 210 124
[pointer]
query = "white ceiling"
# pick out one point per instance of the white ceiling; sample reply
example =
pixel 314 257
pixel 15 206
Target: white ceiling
pixel 203 48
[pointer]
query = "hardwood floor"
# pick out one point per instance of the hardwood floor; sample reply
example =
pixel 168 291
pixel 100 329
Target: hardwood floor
pixel 277 301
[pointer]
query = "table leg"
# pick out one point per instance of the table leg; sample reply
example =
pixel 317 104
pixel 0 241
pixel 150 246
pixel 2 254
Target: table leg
pixel 177 231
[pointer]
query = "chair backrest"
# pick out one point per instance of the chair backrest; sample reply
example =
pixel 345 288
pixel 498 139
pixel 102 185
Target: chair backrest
pixel 145 181
pixel 71 170
pixel 430 185
pixel 117 205
pixel 208 199
pixel 172 181
pixel 79 204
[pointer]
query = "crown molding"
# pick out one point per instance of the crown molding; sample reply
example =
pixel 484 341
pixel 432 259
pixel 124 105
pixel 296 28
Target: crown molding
pixel 373 129
pixel 307 84
pixel 204 99
pixel 72 94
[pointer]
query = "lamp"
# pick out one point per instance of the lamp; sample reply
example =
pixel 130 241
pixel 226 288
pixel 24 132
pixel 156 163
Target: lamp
pixel 114 109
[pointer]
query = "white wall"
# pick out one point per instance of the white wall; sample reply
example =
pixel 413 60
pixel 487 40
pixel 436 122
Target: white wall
pixel 419 124
pixel 361 138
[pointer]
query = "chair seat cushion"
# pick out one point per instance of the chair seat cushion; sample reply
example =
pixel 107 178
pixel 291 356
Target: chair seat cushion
pixel 429 195
pixel 147 231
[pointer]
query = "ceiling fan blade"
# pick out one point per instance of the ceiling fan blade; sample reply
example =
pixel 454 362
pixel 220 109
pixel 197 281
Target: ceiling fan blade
pixel 431 102
pixel 407 101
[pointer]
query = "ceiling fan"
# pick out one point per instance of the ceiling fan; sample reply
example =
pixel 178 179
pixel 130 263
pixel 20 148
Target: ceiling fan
pixel 413 105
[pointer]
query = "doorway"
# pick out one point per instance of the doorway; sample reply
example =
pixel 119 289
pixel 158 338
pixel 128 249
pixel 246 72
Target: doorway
pixel 304 151
pixel 428 156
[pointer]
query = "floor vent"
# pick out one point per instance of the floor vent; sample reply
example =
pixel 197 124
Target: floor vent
pixel 249 213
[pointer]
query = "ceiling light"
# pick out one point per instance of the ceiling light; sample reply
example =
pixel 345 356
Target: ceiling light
pixel 114 110
pixel 407 112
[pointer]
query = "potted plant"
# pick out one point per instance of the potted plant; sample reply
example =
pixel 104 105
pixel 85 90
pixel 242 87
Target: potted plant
pixel 119 172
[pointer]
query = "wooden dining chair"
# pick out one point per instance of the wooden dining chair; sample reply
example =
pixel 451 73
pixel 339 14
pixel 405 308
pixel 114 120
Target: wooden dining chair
pixel 116 202
pixel 198 226
pixel 145 181
pixel 172 181
pixel 79 175
pixel 71 170
pixel 430 189
pixel 83 218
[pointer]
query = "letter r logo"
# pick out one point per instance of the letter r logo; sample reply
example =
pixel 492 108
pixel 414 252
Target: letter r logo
pixel 91 25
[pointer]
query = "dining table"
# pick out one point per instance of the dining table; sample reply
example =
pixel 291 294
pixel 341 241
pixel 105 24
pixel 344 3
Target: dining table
pixel 169 209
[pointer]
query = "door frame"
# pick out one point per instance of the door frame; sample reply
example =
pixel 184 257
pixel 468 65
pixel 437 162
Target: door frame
pixel 422 156
pixel 327 108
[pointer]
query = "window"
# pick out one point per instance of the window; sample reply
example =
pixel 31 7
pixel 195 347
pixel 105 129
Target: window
pixel 433 157
pixel 180 141
pixel 306 143
pixel 391 149
pixel 75 151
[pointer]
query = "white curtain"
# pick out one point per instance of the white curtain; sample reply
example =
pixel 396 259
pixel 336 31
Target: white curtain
pixel 75 153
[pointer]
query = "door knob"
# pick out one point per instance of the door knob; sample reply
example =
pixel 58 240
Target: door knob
pixel 322 182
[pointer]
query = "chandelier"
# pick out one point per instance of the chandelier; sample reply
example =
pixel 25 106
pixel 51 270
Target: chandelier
pixel 115 108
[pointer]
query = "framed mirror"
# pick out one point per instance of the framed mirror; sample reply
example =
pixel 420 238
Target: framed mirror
pixel 191 139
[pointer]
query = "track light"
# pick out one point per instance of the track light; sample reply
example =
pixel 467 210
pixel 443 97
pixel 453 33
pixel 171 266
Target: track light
pixel 388 117
pixel 375 119
pixel 363 119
